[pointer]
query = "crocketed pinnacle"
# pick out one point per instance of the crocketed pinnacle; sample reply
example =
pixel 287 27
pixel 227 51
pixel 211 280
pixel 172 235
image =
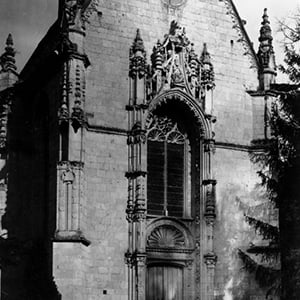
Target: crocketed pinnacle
pixel 265 54
pixel 265 30
pixel 205 56
pixel 7 59
pixel 138 44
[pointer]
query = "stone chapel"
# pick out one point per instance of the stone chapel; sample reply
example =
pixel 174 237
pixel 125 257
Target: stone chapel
pixel 125 147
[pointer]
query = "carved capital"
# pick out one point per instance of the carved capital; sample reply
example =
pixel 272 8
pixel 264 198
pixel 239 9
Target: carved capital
pixel 136 107
pixel 77 117
pixel 210 218
pixel 66 164
pixel 141 258
pixel 209 181
pixel 136 135
pixel 209 145
pixel 138 259
pixel 189 264
pixel 129 259
pixel 135 174
pixel 210 259
pixel 129 216
pixel 68 176
pixel 139 215
pixel 211 118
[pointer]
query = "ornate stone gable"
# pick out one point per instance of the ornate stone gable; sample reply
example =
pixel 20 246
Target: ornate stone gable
pixel 175 64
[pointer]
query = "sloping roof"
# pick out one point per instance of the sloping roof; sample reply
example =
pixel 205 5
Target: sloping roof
pixel 45 48
pixel 238 24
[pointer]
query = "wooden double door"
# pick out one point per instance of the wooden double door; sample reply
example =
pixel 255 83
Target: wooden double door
pixel 164 282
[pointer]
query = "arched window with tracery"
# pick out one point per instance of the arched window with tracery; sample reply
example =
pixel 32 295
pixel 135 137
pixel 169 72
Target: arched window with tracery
pixel 168 169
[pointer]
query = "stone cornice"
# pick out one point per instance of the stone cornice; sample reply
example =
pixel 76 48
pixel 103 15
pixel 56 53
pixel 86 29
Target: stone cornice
pixel 71 237
pixel 107 129
pixel 258 93
pixel 218 144
pixel 243 36
pixel 170 250
pixel 238 147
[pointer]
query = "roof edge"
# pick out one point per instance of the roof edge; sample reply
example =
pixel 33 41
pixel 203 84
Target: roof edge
pixel 47 45
pixel 244 37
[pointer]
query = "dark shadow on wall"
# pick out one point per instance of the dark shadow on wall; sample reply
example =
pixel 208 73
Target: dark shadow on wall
pixel 29 219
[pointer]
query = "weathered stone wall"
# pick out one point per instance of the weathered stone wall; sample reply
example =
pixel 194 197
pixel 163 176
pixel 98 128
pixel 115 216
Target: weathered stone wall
pixel 99 271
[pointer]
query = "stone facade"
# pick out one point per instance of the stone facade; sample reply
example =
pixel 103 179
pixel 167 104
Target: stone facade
pixel 87 98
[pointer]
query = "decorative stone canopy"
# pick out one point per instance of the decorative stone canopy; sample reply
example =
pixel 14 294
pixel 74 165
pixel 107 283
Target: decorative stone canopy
pixel 175 64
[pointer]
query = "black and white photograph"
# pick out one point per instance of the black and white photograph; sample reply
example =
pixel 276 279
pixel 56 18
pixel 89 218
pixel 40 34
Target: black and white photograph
pixel 149 150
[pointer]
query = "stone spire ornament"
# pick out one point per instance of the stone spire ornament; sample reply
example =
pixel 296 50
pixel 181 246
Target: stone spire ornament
pixel 265 30
pixel 138 44
pixel 7 59
pixel 266 55
pixel 207 70
pixel 137 57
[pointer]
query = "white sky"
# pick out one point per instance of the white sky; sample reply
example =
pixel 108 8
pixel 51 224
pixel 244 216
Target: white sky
pixel 29 20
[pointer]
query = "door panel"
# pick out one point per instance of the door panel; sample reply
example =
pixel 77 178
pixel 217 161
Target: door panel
pixel 164 283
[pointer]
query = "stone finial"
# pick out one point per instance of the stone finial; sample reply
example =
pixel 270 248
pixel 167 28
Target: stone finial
pixel 265 54
pixel 205 56
pixel 138 44
pixel 207 70
pixel 137 57
pixel 7 59
pixel 265 30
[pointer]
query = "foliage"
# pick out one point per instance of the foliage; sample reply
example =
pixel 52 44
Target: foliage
pixel 277 158
pixel 267 231
pixel 291 35
pixel 265 276
pixel 274 162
